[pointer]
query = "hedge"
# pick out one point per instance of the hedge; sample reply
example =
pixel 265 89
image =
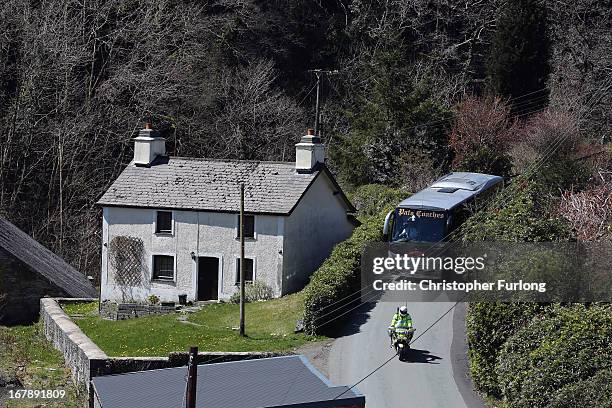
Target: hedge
pixel 595 392
pixel 370 199
pixel 339 276
pixel 488 327
pixel 571 345
pixel 333 288
pixel 519 214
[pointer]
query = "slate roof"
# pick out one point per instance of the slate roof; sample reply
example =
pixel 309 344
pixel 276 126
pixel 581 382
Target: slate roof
pixel 213 185
pixel 289 381
pixel 450 191
pixel 40 259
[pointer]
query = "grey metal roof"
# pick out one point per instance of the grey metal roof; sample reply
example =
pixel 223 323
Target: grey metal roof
pixel 212 185
pixel 289 381
pixel 40 259
pixel 451 190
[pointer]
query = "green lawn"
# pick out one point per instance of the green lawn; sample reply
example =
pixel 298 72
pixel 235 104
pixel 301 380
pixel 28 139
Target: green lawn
pixel 27 356
pixel 269 327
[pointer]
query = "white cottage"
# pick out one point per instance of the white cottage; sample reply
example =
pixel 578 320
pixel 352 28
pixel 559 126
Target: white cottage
pixel 170 224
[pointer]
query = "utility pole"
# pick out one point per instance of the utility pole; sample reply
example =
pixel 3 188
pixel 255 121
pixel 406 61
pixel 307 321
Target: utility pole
pixel 319 73
pixel 192 378
pixel 242 260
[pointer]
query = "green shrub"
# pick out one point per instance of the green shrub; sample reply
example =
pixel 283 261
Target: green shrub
pixel 253 292
pixel 153 299
pixel 339 276
pixel 488 327
pixel 519 214
pixel 595 392
pixel 571 345
pixel 370 199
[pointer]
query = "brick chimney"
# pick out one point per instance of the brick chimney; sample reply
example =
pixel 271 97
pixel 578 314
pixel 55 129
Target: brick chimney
pixel 309 153
pixel 147 146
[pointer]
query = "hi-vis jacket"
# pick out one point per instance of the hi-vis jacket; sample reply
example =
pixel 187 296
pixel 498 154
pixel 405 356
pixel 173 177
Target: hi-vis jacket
pixel 401 321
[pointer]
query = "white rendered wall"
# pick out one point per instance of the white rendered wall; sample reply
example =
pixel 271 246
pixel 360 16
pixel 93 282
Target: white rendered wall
pixel 218 236
pixel 204 234
pixel 314 227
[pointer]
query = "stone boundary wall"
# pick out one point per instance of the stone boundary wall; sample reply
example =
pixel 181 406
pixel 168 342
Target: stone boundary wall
pixel 86 360
pixel 81 354
pixel 120 365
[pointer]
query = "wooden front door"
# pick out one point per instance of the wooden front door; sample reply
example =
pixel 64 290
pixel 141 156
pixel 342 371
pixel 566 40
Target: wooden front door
pixel 208 278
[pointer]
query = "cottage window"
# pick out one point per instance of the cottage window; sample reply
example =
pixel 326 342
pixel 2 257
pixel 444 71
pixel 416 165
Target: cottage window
pixel 249 227
pixel 163 267
pixel 164 222
pixel 248 270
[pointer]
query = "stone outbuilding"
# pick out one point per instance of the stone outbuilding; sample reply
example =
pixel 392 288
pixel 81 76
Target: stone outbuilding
pixel 28 272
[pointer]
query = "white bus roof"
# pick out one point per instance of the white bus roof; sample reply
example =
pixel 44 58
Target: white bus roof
pixel 450 191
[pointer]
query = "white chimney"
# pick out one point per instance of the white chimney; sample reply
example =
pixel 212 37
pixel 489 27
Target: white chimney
pixel 147 146
pixel 309 152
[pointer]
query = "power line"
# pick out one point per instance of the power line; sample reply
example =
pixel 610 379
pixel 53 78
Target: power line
pixel 444 238
pixel 319 73
pixel 309 92
pixel 534 167
pixel 425 331
pixel 395 355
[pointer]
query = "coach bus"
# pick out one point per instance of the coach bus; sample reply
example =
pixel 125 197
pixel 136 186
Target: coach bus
pixel 434 212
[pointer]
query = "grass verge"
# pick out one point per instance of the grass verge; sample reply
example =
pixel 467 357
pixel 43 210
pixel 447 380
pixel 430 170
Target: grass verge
pixel 26 356
pixel 269 327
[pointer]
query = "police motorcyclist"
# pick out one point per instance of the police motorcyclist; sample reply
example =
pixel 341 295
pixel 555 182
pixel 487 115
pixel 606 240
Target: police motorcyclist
pixel 401 320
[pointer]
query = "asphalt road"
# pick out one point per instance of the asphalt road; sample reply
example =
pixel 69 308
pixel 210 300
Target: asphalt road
pixel 435 374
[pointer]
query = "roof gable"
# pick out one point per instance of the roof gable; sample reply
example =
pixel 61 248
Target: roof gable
pixel 212 185
pixel 43 261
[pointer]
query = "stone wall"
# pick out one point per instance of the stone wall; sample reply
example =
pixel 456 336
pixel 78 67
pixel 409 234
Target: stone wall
pixel 81 354
pixel 120 365
pixel 86 360
pixel 123 311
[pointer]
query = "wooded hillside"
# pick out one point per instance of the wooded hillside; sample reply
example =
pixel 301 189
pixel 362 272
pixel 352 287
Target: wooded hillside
pixel 230 79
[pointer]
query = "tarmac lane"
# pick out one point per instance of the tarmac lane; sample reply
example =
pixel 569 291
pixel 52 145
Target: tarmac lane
pixel 434 374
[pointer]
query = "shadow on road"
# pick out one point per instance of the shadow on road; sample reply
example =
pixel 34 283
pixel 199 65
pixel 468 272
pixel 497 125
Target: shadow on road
pixel 351 322
pixel 420 356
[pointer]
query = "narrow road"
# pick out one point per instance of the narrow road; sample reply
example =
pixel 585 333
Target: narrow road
pixel 435 374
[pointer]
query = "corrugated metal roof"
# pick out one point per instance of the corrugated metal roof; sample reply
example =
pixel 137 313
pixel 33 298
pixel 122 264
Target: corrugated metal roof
pixel 289 381
pixel 40 259
pixel 450 191
pixel 212 185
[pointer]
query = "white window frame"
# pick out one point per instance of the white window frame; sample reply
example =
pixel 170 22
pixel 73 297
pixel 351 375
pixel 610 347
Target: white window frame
pixel 254 237
pixel 163 234
pixel 152 266
pixel 237 272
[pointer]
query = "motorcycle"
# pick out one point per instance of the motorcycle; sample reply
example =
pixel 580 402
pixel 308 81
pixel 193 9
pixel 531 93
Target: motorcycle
pixel 401 341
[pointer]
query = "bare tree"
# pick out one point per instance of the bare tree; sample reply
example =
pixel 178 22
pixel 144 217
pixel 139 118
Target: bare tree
pixel 536 137
pixel 256 120
pixel 589 212
pixel 582 62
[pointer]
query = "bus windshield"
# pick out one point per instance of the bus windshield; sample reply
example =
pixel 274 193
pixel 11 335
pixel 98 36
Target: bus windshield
pixel 418 225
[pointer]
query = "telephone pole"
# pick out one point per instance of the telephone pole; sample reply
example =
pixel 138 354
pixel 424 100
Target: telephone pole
pixel 319 73
pixel 192 378
pixel 242 260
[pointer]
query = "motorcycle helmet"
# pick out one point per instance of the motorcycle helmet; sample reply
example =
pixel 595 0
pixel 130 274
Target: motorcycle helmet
pixel 403 310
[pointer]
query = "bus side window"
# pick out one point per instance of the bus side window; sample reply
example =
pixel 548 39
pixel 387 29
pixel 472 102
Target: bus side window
pixel 460 215
pixel 482 200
